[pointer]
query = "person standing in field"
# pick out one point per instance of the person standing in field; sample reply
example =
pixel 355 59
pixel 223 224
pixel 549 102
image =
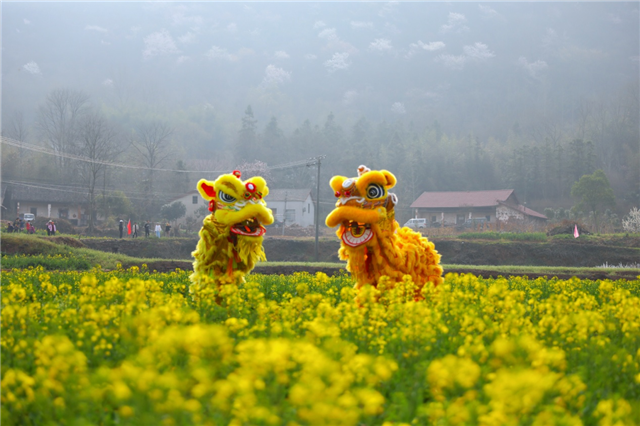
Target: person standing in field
pixel 158 230
pixel 167 229
pixel 147 229
pixel 134 229
pixel 121 227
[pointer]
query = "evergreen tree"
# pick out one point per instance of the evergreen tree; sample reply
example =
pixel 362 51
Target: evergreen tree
pixel 333 142
pixel 581 158
pixel 359 149
pixel 246 148
pixel 273 144
pixel 547 167
pixel 595 194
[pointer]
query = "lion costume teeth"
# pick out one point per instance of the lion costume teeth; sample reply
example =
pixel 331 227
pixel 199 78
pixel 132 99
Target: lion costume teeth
pixel 372 242
pixel 231 236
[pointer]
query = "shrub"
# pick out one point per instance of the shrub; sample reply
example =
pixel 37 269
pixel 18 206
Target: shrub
pixel 55 262
pixel 631 222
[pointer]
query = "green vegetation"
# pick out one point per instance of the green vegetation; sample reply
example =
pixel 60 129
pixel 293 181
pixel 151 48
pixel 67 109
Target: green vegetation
pixel 549 271
pixel 595 194
pixel 58 256
pixel 53 254
pixel 336 265
pixel 132 347
pixel 173 211
pixel 57 262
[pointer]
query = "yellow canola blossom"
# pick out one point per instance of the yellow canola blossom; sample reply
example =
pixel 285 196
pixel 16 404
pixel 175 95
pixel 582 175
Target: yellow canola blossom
pixel 130 347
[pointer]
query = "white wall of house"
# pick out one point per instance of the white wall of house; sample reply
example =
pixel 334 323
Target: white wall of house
pixel 504 213
pixel 456 218
pixel 301 213
pixel 58 211
pixel 192 201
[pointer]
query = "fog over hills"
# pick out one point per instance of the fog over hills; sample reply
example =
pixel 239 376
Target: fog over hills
pixel 467 62
pixel 449 96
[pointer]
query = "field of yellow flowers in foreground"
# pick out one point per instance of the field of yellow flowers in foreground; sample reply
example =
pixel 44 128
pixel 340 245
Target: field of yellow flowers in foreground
pixel 131 347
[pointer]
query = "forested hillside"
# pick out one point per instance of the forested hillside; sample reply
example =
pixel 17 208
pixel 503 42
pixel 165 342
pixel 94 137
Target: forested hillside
pixel 131 104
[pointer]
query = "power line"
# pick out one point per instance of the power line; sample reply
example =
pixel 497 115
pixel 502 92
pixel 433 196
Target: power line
pixel 85 192
pixel 42 150
pixel 83 188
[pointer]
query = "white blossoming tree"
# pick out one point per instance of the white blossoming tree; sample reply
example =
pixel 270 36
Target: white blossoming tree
pixel 631 222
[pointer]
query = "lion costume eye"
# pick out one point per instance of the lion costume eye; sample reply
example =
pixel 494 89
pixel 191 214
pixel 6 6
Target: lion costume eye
pixel 226 197
pixel 375 191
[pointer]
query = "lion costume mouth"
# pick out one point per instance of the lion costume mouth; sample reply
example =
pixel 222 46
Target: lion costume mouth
pixel 249 228
pixel 356 234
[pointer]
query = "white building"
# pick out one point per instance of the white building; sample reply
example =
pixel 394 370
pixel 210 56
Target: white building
pixel 294 205
pixel 45 201
pixel 192 201
pixel 297 203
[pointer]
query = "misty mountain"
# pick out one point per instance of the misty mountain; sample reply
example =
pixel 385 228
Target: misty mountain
pixel 449 96
pixel 461 63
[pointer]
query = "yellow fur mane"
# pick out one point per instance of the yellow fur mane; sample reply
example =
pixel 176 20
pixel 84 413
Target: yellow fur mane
pixel 386 248
pixel 221 256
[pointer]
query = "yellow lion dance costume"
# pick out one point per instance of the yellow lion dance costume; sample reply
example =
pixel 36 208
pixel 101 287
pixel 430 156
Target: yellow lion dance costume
pixel 372 242
pixel 231 236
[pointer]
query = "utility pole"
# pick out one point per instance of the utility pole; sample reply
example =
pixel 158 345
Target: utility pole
pixel 317 160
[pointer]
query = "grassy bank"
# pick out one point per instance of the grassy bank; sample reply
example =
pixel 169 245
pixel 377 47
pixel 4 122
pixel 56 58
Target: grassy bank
pixel 58 253
pixel 20 251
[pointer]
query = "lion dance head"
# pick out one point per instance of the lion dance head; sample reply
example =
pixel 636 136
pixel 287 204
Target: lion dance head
pixel 372 242
pixel 231 236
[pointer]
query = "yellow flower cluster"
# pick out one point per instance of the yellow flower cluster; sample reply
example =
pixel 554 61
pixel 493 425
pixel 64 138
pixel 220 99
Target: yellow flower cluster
pixel 130 347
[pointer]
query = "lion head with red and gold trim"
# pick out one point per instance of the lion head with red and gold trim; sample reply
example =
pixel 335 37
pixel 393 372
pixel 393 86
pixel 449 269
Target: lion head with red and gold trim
pixel 238 204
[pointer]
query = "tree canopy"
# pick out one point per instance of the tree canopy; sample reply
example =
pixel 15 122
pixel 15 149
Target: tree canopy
pixel 595 194
pixel 173 211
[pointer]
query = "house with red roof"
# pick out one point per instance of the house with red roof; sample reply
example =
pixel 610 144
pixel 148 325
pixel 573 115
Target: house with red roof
pixel 455 207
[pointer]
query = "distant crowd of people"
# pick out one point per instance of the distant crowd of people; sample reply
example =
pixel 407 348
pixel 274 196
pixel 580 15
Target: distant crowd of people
pixel 20 225
pixel 133 228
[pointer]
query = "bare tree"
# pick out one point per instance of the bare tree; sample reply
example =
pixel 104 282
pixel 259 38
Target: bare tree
pixel 152 141
pixel 16 128
pixel 124 88
pixel 57 121
pixel 97 141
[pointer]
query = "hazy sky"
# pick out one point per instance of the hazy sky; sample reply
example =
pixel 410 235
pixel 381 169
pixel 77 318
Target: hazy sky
pixel 303 60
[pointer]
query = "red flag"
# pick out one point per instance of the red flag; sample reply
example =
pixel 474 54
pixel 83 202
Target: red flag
pixel 575 232
pixel 129 227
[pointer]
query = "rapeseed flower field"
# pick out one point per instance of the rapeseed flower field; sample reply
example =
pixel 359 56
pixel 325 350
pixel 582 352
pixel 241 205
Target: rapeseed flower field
pixel 134 347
